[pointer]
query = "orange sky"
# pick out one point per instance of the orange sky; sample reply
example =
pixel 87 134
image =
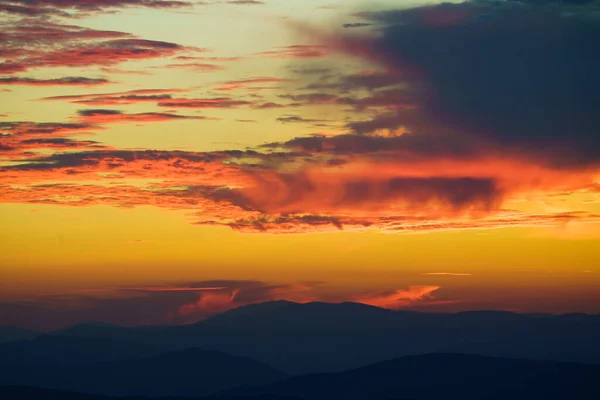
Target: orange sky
pixel 193 158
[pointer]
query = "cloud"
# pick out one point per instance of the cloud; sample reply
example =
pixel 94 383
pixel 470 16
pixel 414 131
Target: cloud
pixel 161 97
pixel 31 45
pixel 71 8
pixel 322 193
pixel 363 80
pixel 172 289
pixel 66 81
pixel 154 305
pixel 246 2
pixel 183 303
pixel 356 25
pixel 104 116
pixel 24 34
pixel 298 51
pixel 250 83
pixel 175 168
pixel 391 99
pixel 106 53
pixel 296 119
pixel 445 131
pixel 521 94
pixel 15 137
pixel 211 59
pixel 196 67
pixel 399 298
pixel 350 182
pixel 269 105
pixel 115 98
pixel 219 102
pixel 56 143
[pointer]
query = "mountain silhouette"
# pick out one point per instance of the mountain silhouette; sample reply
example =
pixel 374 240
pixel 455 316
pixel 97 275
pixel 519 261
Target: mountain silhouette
pixel 323 337
pixel 34 393
pixel 15 392
pixel 58 350
pixel 442 376
pixel 12 333
pixel 423 377
pixel 188 372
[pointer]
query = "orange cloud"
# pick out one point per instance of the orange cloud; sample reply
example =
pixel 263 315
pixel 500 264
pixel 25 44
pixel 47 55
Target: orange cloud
pixel 245 83
pixel 220 102
pixel 66 7
pixel 103 116
pixel 127 97
pixel 173 167
pixel 211 59
pixel 400 298
pixel 66 81
pixel 412 194
pixel 243 293
pixel 46 44
pixel 196 67
pixel 210 303
pixel 173 289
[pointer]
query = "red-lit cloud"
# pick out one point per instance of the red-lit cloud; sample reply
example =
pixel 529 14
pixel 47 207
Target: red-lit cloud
pixel 246 2
pixel 196 67
pixel 399 298
pixel 187 302
pixel 219 102
pixel 249 83
pixel 72 8
pixel 31 45
pixel 407 154
pixel 128 97
pixel 105 116
pixel 65 81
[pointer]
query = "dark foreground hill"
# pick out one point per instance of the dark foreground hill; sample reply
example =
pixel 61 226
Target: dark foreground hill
pixel 442 376
pixel 425 377
pixel 322 337
pixel 34 393
pixel 188 372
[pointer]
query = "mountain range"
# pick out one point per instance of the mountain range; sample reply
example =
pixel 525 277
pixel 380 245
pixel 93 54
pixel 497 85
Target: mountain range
pixel 285 350
pixel 322 337
pixel 423 377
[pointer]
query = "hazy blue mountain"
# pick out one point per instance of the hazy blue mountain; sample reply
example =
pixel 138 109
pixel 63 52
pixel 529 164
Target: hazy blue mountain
pixel 62 350
pixel 12 333
pixel 442 376
pixel 35 393
pixel 424 377
pixel 322 337
pixel 188 372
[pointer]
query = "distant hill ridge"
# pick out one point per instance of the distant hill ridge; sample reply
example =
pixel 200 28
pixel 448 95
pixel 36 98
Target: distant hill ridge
pixel 186 372
pixel 321 337
pixel 422 377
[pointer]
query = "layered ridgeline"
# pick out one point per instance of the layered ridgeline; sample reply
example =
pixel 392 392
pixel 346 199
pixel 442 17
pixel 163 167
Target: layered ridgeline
pixel 187 372
pixel 323 337
pixel 424 377
pixel 11 333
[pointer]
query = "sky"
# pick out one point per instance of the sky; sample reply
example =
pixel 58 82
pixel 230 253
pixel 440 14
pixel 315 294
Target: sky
pixel 163 161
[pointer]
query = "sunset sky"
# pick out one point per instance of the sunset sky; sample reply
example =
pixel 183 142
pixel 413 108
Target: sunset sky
pixel 161 161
